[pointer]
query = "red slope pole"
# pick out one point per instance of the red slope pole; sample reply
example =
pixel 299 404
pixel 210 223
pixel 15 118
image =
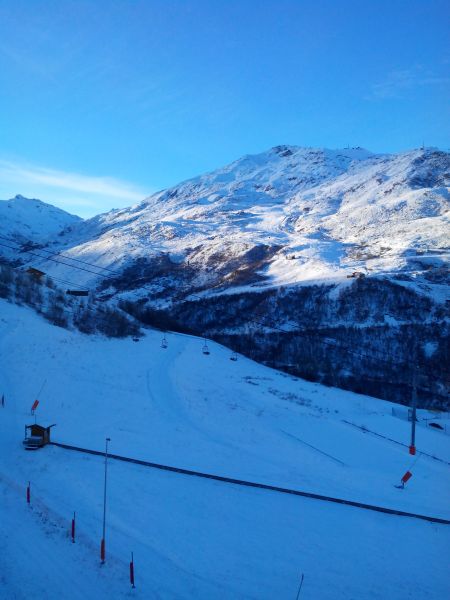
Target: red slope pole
pixel 102 551
pixel 28 493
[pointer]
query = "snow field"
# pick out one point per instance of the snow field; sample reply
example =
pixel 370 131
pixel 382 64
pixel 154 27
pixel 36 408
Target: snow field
pixel 195 538
pixel 336 211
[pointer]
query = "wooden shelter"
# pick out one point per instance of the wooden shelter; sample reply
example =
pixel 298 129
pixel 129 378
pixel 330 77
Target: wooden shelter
pixel 36 436
pixel 36 273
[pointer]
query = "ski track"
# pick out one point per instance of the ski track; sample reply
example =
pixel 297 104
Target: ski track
pixel 198 539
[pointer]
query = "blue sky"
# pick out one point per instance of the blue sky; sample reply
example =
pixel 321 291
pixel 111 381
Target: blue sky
pixel 103 102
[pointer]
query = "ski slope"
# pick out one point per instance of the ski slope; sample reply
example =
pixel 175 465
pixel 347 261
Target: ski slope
pixel 196 538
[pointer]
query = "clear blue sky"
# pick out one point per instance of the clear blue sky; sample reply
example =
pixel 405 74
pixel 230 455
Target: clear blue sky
pixel 103 102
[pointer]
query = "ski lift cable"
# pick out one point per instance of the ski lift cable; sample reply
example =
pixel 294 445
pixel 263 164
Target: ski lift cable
pixel 100 317
pixel 23 248
pixel 373 357
pixel 47 258
pixel 59 262
pixel 334 343
pixel 51 277
pixel 75 285
pixel 299 331
pixel 97 314
pixel 84 262
pixel 270 326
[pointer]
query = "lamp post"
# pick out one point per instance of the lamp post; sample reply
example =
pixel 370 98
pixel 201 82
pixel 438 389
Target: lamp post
pixel 412 446
pixel 102 547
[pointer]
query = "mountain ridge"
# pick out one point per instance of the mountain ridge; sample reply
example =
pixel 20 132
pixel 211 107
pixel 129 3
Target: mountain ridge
pixel 333 212
pixel 344 244
pixel 32 220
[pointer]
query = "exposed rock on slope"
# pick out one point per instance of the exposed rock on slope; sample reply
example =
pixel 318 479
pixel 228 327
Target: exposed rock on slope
pixel 282 225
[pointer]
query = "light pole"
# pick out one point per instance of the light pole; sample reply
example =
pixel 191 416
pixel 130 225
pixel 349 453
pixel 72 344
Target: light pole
pixel 102 547
pixel 412 446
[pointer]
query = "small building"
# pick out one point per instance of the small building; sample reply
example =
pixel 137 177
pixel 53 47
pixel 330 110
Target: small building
pixel 36 436
pixel 356 275
pixel 36 273
pixel 77 292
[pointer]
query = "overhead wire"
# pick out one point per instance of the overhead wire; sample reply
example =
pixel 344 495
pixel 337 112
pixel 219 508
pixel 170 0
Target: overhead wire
pixel 299 331
pixel 59 262
pixel 52 277
pixel 24 248
pixel 73 285
pixel 82 306
pixel 330 342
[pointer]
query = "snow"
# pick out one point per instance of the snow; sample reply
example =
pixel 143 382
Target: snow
pixel 336 211
pixel 24 219
pixel 194 538
pixel 430 348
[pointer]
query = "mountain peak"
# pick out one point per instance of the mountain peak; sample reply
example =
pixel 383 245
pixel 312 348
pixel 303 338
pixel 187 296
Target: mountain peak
pixel 30 219
pixel 288 150
pixel 25 200
pixel 329 211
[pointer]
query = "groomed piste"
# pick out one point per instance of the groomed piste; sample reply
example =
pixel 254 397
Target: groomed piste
pixel 203 537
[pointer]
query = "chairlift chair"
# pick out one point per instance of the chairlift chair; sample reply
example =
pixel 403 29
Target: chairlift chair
pixel 164 342
pixel 233 356
pixel 205 348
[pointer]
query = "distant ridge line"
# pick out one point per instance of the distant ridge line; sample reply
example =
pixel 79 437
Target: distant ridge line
pixel 263 486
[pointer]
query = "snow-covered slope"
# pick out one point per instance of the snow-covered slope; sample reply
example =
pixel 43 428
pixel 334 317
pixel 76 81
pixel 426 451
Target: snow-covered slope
pixel 279 223
pixel 285 216
pixel 29 220
pixel 194 538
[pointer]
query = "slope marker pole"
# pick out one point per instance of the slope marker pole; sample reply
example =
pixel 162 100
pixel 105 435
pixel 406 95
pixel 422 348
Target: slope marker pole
pixel 102 545
pixel 132 571
pixel 73 528
pixel 412 447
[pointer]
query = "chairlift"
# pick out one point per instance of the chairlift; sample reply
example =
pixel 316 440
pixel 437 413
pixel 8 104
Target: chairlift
pixel 233 357
pixel 164 342
pixel 205 349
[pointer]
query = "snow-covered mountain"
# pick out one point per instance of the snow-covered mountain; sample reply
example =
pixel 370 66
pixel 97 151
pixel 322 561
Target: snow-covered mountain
pixel 282 217
pixel 255 255
pixel 24 220
pixel 30 220
pixel 285 216
pixel 370 230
